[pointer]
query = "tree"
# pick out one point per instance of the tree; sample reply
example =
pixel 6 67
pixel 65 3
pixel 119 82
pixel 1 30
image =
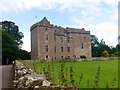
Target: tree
pixel 94 45
pixel 118 47
pixel 11 41
pixel 102 47
pixel 9 48
pixel 24 55
pixel 98 47
pixel 105 54
pixel 13 30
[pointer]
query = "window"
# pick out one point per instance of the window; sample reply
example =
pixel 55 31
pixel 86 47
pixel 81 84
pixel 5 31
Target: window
pixel 61 39
pixel 46 37
pixel 46 48
pixel 55 49
pixel 68 49
pixel 46 56
pixel 55 38
pixel 61 49
pixel 61 57
pixel 68 57
pixel 55 57
pixel 68 40
pixel 82 45
pixel 46 28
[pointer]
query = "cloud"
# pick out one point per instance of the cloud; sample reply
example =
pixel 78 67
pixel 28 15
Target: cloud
pixel 61 5
pixel 103 30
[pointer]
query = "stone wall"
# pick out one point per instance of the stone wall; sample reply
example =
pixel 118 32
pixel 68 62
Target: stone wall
pixel 27 78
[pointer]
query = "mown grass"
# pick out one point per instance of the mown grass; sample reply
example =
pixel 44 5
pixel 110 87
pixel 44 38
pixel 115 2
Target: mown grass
pixel 84 72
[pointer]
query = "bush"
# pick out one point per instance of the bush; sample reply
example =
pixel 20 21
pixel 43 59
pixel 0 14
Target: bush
pixel 105 54
pixel 83 57
pixel 117 54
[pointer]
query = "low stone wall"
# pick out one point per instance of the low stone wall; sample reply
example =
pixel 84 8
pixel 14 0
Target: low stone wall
pixel 27 78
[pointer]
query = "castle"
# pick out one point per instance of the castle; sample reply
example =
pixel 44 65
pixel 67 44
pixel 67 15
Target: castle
pixel 50 42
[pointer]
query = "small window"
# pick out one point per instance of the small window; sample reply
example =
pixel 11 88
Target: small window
pixel 55 38
pixel 68 40
pixel 61 57
pixel 68 49
pixel 82 45
pixel 55 49
pixel 46 37
pixel 46 28
pixel 55 57
pixel 61 39
pixel 61 49
pixel 68 57
pixel 46 48
pixel 46 56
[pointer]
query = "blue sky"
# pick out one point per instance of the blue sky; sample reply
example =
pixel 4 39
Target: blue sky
pixel 100 17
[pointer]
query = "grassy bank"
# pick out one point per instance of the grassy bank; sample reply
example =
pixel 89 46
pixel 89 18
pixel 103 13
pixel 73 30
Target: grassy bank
pixel 83 74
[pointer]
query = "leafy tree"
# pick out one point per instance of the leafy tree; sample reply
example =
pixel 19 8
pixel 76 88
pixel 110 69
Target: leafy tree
pixel 102 47
pixel 98 47
pixel 117 54
pixel 118 47
pixel 13 30
pixel 94 45
pixel 9 48
pixel 24 55
pixel 11 41
pixel 105 54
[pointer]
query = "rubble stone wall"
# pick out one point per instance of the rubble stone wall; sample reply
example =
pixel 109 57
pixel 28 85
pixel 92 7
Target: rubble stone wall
pixel 27 78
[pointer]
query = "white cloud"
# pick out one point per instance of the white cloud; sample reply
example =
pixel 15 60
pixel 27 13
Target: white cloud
pixel 62 5
pixel 103 30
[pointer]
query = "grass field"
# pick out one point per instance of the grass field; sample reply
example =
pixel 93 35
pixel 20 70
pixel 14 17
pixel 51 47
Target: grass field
pixel 82 74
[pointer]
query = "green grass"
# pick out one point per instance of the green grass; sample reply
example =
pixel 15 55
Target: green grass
pixel 108 71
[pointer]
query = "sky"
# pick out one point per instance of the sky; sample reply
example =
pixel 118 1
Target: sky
pixel 100 17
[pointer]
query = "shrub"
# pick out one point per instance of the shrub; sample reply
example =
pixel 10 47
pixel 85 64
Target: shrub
pixel 105 54
pixel 117 54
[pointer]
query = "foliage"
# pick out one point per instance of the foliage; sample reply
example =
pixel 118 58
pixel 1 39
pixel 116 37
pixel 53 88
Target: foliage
pixel 9 48
pixel 13 30
pixel 99 47
pixel 94 45
pixel 11 43
pixel 117 54
pixel 24 55
pixel 105 54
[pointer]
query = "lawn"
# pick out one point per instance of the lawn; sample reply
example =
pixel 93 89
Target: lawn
pixel 82 74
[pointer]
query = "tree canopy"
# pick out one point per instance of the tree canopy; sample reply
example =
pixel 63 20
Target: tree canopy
pixel 13 30
pixel 11 42
pixel 99 47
